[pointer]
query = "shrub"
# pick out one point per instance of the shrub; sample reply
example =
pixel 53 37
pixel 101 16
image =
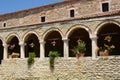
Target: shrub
pixel 31 58
pixel 53 55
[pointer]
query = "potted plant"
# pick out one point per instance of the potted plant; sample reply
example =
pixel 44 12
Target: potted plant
pixel 106 49
pixel 80 49
pixel 31 58
pixel 52 55
pixel 15 55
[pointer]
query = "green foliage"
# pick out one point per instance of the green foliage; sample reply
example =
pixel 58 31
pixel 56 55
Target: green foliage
pixel 107 46
pixel 80 48
pixel 75 50
pixel 53 55
pixel 31 58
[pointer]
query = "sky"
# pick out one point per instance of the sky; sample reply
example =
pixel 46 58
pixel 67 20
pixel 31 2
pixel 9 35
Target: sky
pixel 8 6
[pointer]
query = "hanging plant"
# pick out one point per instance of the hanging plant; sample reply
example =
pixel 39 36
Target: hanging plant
pixel 31 58
pixel 52 55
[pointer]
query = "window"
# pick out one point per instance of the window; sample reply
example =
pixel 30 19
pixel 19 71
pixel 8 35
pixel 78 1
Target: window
pixel 43 19
pixel 4 24
pixel 105 7
pixel 72 13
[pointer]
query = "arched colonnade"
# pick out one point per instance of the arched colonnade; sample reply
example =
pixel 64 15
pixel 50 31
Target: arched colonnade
pixel 55 39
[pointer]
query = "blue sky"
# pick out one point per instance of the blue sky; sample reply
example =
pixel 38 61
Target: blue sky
pixel 7 6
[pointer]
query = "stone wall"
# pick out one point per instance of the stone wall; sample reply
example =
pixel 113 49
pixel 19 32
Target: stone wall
pixel 85 68
pixel 56 12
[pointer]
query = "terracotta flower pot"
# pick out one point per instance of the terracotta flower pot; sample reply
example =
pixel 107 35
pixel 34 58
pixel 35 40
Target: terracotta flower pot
pixel 14 56
pixel 102 53
pixel 80 55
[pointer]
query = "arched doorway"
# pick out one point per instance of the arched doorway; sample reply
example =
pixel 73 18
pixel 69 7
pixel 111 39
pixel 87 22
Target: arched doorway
pixel 113 31
pixel 32 45
pixel 53 43
pixel 13 43
pixel 79 34
pixel 1 51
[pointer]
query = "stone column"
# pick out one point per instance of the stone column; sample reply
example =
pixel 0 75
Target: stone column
pixel 22 50
pixel 94 46
pixel 42 50
pixel 5 51
pixel 66 47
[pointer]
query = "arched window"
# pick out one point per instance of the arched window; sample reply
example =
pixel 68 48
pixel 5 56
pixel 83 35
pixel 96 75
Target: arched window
pixel 32 45
pixel 53 43
pixel 13 47
pixel 79 34
pixel 113 31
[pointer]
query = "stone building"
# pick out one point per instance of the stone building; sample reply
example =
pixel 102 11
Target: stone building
pixel 61 24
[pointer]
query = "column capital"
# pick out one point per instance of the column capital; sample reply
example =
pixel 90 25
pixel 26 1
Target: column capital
pixel 42 42
pixel 65 39
pixel 5 45
pixel 93 37
pixel 21 43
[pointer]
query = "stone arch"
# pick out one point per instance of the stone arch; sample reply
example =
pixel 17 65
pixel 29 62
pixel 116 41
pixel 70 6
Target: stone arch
pixel 53 39
pixel 31 41
pixel 10 36
pixel 13 44
pixel 79 33
pixel 78 26
pixel 112 29
pixel 104 23
pixel 50 30
pixel 29 32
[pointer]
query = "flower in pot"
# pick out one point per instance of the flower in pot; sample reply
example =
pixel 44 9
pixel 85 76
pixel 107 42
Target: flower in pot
pixel 52 55
pixel 105 49
pixel 15 55
pixel 80 49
